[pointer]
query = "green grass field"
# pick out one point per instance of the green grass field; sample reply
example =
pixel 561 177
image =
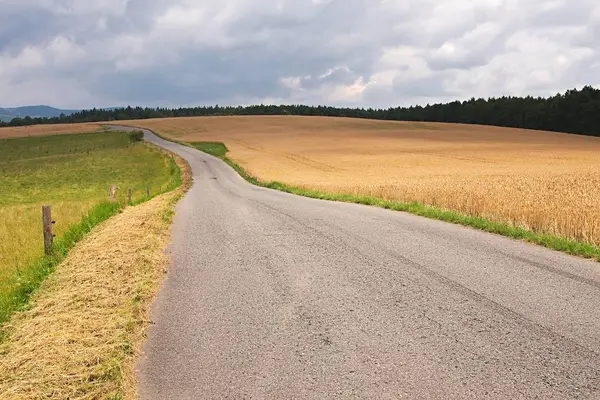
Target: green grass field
pixel 73 174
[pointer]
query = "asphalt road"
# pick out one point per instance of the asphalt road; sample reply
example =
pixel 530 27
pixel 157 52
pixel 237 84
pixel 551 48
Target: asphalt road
pixel 273 296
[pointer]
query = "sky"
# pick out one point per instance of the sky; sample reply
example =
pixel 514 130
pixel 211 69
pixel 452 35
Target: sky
pixel 368 53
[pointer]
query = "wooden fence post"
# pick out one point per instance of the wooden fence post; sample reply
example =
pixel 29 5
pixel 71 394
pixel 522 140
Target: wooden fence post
pixel 48 235
pixel 147 191
pixel 113 192
pixel 130 193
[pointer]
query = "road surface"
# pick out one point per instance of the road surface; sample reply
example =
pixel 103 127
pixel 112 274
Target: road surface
pixel 274 296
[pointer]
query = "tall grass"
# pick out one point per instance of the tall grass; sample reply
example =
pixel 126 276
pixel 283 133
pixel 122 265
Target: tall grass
pixel 73 174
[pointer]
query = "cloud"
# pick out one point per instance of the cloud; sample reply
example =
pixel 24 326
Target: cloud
pixel 70 53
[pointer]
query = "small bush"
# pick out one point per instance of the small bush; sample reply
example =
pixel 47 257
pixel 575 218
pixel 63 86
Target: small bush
pixel 136 136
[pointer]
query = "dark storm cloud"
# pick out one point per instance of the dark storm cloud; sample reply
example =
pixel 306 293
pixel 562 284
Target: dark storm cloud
pixel 353 52
pixel 204 78
pixel 19 28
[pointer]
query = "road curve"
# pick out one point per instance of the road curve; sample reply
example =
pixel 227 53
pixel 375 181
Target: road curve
pixel 274 296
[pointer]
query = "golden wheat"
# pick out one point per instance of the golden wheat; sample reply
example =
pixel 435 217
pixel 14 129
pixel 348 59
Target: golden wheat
pixel 544 181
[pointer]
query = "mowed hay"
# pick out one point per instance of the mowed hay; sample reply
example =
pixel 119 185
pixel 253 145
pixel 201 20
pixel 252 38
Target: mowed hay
pixel 44 130
pixel 81 335
pixel 543 181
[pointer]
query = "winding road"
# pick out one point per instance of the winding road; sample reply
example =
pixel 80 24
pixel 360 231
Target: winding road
pixel 274 296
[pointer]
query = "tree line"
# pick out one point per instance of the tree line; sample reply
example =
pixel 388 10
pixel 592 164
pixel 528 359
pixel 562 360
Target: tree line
pixel 576 111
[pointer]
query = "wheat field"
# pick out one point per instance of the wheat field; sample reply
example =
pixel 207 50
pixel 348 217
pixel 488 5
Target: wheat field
pixel 45 130
pixel 544 181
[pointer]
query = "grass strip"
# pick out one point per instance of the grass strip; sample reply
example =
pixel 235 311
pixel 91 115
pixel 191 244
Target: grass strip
pixel 565 245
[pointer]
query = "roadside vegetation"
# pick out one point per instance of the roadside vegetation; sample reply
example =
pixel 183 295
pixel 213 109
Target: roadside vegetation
pixel 73 174
pixel 214 149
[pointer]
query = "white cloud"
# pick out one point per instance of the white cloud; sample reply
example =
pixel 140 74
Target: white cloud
pixel 343 52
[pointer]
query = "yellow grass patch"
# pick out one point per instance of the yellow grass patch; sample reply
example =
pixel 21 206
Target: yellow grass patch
pixel 44 130
pixel 25 227
pixel 543 181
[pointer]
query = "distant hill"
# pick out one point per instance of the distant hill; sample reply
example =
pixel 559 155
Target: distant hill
pixel 7 114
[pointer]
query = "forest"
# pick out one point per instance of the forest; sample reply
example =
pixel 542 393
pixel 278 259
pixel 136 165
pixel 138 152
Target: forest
pixel 575 111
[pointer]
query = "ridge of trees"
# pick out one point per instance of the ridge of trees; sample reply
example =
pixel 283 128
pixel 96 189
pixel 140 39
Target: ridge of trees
pixel 576 111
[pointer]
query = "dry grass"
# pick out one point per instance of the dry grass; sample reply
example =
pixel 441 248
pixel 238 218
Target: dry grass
pixel 45 130
pixel 86 320
pixel 543 181
pixel 20 241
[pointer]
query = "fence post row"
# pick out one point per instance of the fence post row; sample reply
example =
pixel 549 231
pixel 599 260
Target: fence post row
pixel 48 234
pixel 47 218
